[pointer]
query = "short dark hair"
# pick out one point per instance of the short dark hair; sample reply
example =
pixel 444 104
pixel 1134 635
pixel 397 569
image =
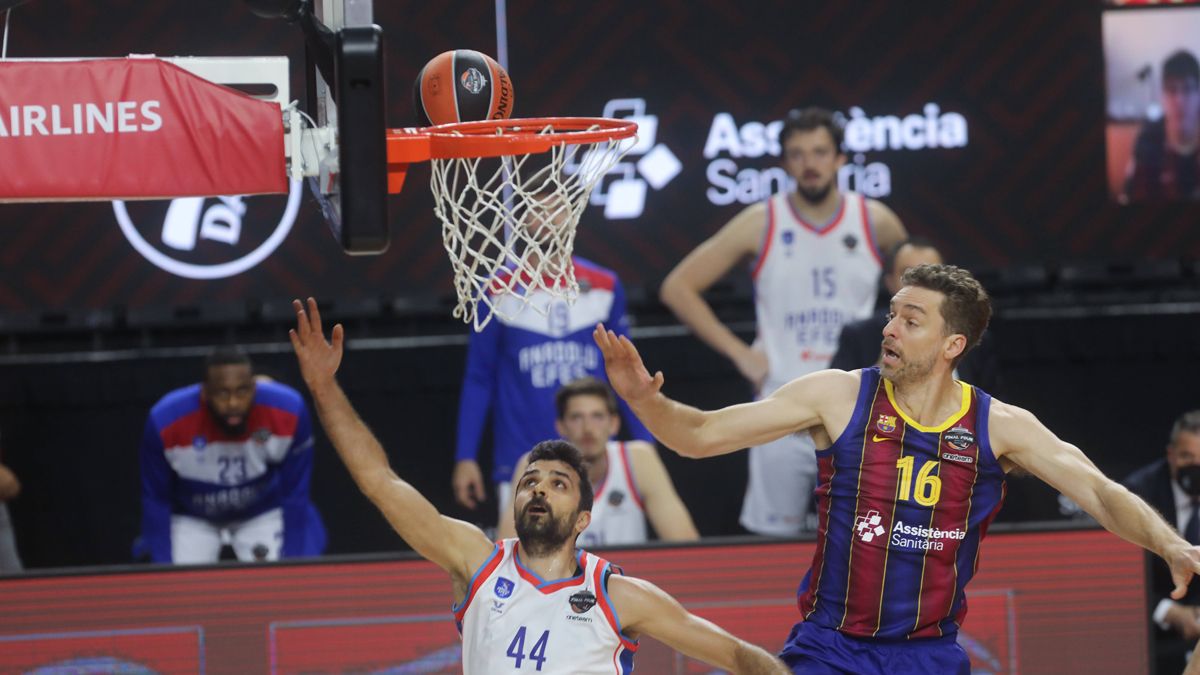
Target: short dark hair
pixel 809 119
pixel 966 307
pixel 889 257
pixel 584 386
pixel 562 451
pixel 1188 422
pixel 226 355
pixel 1181 65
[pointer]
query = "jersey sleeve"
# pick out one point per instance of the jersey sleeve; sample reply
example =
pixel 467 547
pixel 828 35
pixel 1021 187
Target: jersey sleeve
pixel 618 322
pixel 303 532
pixel 478 388
pixel 157 480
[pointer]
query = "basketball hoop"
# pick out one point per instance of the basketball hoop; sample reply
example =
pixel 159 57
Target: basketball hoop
pixel 508 225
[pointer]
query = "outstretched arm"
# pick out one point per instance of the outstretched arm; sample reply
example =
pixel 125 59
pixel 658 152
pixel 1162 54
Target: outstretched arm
pixel 648 610
pixel 1020 438
pixel 695 433
pixel 455 546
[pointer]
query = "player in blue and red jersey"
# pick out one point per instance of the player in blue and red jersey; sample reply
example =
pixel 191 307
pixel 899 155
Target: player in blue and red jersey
pixel 517 363
pixel 228 461
pixel 911 473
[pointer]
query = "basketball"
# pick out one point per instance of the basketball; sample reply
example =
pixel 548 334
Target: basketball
pixel 462 85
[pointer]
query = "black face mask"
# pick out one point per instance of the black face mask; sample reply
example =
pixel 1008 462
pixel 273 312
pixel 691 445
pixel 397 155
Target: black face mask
pixel 1188 478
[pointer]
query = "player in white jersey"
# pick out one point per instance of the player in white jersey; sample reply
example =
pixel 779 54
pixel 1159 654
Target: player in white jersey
pixel 631 483
pixel 531 604
pixel 815 262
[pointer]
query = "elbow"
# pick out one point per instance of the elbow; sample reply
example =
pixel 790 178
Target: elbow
pixel 668 291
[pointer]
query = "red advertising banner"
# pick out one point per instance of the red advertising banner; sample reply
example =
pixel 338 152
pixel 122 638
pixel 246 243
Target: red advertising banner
pixel 1050 602
pixel 132 128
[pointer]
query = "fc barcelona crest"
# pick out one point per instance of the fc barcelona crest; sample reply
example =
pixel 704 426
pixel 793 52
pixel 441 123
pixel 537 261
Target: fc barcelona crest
pixel 886 423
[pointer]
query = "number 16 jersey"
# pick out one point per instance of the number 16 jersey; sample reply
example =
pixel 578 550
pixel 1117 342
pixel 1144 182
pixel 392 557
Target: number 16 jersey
pixel 512 621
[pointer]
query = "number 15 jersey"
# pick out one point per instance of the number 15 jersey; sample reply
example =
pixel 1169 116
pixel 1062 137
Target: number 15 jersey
pixel 512 621
pixel 809 280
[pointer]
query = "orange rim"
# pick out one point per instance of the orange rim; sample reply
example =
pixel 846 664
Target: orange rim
pixel 497 138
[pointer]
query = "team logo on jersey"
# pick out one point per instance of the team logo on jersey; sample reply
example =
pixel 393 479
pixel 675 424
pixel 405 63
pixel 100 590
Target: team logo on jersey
pixel 584 286
pixel 261 435
pixel 959 438
pixel 199 442
pixel 504 587
pixel 615 498
pixel 869 526
pixel 582 602
pixel 886 423
pixel 850 241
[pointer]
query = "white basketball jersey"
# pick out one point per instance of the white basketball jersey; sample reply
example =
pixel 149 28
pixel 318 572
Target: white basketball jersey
pixel 618 516
pixel 809 280
pixel 513 622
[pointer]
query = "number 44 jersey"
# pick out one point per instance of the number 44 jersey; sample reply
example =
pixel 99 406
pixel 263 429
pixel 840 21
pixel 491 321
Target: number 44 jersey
pixel 513 621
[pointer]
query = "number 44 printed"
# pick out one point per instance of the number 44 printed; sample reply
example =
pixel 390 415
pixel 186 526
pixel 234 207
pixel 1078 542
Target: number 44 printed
pixel 516 648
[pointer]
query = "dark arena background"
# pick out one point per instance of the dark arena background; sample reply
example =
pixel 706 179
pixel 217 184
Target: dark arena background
pixel 998 130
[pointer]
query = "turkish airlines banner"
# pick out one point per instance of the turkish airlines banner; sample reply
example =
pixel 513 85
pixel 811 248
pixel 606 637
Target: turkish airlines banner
pixel 134 128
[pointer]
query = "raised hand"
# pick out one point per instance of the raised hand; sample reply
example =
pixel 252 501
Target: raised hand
pixel 626 372
pixel 319 359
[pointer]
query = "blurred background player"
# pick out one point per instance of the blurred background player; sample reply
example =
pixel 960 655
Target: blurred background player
pixel 228 461
pixel 517 362
pixel 1171 484
pixel 511 597
pixel 631 483
pixel 10 487
pixel 816 263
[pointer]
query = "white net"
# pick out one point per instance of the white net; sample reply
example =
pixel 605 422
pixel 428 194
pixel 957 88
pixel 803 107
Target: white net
pixel 509 224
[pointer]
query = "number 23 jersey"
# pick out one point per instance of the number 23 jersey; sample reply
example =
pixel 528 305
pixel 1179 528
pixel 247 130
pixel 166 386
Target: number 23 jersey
pixel 513 621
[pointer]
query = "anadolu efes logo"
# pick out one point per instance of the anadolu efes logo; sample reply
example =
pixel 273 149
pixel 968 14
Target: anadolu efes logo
pixel 209 238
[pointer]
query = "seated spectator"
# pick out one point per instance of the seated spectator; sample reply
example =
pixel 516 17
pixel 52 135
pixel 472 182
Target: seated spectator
pixel 1171 484
pixel 631 482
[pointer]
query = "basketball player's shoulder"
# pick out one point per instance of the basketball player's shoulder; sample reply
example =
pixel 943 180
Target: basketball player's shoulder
pixel 834 381
pixel 1010 426
pixel 885 224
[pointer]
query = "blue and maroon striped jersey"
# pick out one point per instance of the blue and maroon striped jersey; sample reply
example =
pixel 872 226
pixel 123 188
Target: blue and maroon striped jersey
pixel 902 509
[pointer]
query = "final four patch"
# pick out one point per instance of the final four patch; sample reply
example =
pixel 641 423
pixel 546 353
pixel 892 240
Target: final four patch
pixel 959 438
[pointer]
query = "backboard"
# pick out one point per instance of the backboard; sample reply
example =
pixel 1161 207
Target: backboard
pixel 346 91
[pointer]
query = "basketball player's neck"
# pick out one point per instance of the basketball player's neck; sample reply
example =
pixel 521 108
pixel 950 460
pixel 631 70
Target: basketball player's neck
pixel 930 400
pixel 819 211
pixel 597 467
pixel 559 563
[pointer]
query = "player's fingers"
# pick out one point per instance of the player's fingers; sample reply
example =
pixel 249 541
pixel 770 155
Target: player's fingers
pixel 659 378
pixel 301 319
pixel 338 337
pixel 1181 580
pixel 296 344
pixel 314 316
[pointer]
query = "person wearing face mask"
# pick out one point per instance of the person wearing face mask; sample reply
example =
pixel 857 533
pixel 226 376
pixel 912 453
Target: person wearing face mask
pixel 1171 484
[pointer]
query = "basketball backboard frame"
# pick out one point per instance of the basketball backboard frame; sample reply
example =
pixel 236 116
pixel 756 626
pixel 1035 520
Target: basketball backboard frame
pixel 347 92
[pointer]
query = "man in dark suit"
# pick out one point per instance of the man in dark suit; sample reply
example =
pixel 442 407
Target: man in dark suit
pixel 858 346
pixel 1172 485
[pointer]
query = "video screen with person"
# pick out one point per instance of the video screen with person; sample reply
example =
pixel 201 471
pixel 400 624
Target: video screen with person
pixel 1152 68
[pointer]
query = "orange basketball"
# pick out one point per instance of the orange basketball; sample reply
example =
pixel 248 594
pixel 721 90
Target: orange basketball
pixel 462 85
